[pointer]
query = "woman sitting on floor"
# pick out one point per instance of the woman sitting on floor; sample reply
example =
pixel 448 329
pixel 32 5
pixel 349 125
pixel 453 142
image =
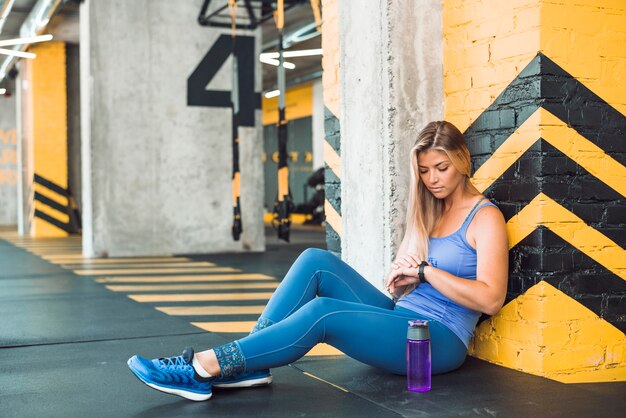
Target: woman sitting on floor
pixel 452 265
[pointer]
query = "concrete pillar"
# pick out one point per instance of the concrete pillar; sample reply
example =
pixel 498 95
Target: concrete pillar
pixel 8 159
pixel 157 171
pixel 391 86
pixel 538 89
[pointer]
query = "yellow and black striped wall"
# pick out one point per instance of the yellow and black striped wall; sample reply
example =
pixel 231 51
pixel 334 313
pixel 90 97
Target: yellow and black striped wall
pixel 332 137
pixel 539 90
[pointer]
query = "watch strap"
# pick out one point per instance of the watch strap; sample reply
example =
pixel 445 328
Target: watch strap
pixel 420 272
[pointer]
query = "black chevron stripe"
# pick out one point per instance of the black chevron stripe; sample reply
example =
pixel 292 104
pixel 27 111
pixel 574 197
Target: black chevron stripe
pixel 566 182
pixel 543 255
pixel 50 202
pixel 45 217
pixel 542 83
pixel 333 240
pixel 333 194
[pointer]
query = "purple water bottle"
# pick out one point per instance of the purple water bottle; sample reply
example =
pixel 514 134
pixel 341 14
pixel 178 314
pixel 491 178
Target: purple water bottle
pixel 418 366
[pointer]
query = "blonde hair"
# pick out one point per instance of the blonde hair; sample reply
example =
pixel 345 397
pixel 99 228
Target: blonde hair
pixel 424 210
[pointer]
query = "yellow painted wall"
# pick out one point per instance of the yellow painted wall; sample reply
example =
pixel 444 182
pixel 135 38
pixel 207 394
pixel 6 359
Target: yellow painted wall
pixel 47 80
pixel 587 38
pixel 486 44
pixel 298 104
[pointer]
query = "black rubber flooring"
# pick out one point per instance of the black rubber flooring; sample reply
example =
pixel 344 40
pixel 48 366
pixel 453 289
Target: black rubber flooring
pixel 64 342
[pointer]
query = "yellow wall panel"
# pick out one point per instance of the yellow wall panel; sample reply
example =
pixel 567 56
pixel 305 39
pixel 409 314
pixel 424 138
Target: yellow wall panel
pixel 486 43
pixel 298 104
pixel 48 113
pixel 587 39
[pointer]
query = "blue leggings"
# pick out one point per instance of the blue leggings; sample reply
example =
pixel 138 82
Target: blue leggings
pixel 322 299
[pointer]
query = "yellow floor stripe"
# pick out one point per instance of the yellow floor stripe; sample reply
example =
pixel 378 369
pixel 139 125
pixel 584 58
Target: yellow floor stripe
pixel 77 247
pixel 80 259
pixel 324 350
pixel 210 310
pixel 204 297
pixel 325 381
pixel 190 287
pixel 246 326
pixel 243 326
pixel 91 272
pixel 133 265
pixel 175 279
pixel 544 211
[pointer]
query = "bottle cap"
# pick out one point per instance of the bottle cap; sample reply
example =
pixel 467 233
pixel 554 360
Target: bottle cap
pixel 418 330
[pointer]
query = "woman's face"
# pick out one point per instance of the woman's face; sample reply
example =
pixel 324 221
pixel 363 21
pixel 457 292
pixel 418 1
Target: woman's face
pixel 437 173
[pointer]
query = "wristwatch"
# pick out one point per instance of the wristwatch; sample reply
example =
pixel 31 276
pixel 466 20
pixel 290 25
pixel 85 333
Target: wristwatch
pixel 420 271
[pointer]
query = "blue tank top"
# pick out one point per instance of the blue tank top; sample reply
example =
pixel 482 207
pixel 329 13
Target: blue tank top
pixel 453 254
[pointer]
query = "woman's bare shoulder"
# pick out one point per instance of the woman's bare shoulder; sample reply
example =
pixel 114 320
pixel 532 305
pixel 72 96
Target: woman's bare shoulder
pixel 489 220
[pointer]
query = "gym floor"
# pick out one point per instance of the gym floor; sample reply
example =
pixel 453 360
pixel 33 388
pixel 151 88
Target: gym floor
pixel 69 325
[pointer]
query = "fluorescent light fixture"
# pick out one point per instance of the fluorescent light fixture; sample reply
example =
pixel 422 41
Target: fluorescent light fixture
pixel 29 40
pixel 3 91
pixel 272 93
pixel 15 53
pixel 275 62
pixel 292 54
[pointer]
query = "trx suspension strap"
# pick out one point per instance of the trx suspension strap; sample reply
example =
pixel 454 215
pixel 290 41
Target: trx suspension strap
pixel 283 203
pixel 234 97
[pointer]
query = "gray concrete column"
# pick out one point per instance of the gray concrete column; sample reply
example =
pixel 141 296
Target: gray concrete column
pixel 8 158
pixel 391 86
pixel 157 172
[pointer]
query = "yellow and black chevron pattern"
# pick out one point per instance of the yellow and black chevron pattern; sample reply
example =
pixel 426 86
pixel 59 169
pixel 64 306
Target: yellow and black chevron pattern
pixel 538 88
pixel 55 206
pixel 557 173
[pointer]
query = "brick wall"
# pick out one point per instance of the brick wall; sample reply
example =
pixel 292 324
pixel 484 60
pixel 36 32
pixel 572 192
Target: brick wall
pixel 536 87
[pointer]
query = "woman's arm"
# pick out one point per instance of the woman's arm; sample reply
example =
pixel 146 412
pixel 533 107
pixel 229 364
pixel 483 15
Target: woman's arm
pixel 487 293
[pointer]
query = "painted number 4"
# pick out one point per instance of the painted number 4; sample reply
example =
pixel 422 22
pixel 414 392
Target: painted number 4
pixel 249 100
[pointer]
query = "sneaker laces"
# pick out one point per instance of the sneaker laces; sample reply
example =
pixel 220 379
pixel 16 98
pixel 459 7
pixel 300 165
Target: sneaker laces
pixel 176 361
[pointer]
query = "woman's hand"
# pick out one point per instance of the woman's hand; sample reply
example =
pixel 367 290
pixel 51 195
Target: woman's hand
pixel 399 278
pixel 406 260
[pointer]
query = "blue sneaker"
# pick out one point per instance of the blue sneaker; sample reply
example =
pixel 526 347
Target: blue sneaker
pixel 244 380
pixel 173 375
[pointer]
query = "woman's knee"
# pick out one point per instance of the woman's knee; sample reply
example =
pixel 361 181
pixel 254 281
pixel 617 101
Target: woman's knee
pixel 320 306
pixel 313 254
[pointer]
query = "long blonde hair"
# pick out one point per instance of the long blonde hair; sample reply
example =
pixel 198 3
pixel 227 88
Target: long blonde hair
pixel 424 210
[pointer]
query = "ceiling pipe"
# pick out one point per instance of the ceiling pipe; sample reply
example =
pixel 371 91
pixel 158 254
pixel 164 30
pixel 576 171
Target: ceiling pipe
pixel 34 24
pixel 5 9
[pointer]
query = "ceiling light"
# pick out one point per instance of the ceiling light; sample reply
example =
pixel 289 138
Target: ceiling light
pixel 271 61
pixel 292 54
pixel 15 53
pixel 3 91
pixel 29 40
pixel 272 93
